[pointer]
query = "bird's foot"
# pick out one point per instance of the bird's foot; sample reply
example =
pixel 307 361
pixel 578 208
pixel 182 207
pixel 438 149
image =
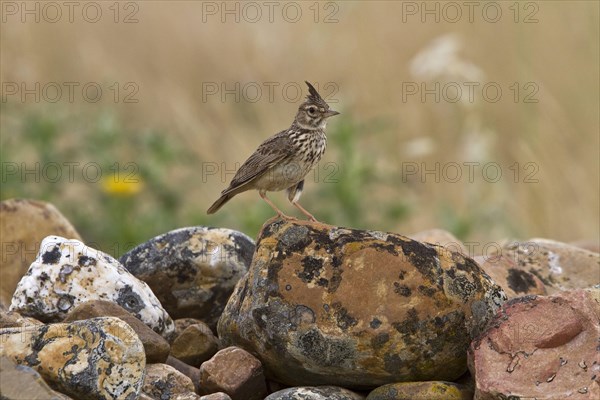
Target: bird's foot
pixel 287 217
pixel 311 217
pixel 303 210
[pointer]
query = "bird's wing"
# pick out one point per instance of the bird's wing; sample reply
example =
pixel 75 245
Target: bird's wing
pixel 268 154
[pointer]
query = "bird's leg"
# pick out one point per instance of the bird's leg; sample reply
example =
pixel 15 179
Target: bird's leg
pixel 309 215
pixel 280 213
pixel 294 193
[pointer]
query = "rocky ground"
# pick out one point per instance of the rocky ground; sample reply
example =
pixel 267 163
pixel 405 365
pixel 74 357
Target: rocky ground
pixel 308 311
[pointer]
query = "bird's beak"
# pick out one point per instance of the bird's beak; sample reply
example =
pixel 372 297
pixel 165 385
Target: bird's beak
pixel 330 113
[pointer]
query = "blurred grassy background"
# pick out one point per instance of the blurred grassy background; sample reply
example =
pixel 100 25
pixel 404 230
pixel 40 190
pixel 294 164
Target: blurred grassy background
pixel 155 155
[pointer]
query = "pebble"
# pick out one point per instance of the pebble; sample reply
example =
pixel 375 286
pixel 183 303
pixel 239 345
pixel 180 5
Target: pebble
pixel 164 382
pixel 236 372
pixel 195 345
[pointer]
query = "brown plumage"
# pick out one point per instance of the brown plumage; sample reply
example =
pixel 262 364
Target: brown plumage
pixel 283 160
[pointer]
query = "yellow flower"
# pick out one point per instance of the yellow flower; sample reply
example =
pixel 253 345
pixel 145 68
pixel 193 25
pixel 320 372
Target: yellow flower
pixel 122 186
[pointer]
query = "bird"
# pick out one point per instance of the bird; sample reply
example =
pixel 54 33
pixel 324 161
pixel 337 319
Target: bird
pixel 283 160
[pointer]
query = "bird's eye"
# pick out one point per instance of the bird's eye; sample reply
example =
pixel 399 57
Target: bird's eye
pixel 312 110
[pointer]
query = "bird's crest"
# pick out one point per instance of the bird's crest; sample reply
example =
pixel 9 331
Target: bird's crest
pixel 314 96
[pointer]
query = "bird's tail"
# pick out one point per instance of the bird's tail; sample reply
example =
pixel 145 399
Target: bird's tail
pixel 219 203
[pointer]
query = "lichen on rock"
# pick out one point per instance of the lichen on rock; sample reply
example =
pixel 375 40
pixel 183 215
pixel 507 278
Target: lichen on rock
pixel 99 358
pixel 354 308
pixel 192 270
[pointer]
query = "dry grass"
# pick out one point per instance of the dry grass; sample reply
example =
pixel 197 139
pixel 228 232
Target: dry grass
pixel 170 53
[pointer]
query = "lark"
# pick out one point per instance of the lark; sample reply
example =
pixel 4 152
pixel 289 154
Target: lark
pixel 282 161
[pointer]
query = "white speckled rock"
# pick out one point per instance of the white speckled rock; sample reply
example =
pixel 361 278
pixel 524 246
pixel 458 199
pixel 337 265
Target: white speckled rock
pixel 192 270
pixel 99 358
pixel 67 273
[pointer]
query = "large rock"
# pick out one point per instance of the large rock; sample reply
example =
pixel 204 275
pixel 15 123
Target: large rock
pixel 99 358
pixel 542 347
pixel 192 270
pixel 67 273
pixel 358 309
pixel 559 265
pixel 20 382
pixel 155 346
pixel 23 225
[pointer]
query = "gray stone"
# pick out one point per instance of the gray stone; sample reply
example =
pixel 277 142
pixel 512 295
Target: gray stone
pixel 192 270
